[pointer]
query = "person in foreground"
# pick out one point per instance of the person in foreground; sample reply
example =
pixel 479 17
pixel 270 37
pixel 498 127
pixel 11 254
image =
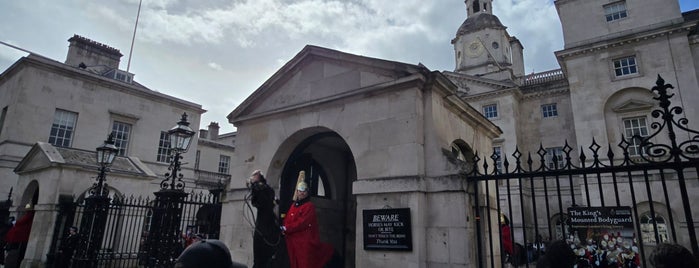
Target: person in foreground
pixel 559 254
pixel 208 253
pixel 301 231
pixel 266 236
pixel 668 255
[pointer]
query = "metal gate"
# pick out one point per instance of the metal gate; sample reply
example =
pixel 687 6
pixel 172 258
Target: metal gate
pixel 620 200
pixel 128 226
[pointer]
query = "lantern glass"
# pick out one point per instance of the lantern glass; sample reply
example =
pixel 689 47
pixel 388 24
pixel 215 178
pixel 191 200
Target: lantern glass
pixel 181 135
pixel 107 152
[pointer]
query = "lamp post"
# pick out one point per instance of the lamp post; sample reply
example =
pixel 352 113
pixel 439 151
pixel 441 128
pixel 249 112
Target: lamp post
pixel 96 207
pixel 164 235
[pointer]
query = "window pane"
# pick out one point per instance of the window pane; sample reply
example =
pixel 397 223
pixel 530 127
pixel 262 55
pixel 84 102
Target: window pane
pixel 164 148
pixel 615 11
pixel 625 66
pixel 223 164
pixel 121 132
pixel 490 111
pixel 635 126
pixel 61 133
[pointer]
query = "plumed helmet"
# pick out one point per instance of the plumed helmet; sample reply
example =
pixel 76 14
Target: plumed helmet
pixel 302 186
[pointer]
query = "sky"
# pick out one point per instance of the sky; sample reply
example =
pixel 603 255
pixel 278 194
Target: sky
pixel 217 52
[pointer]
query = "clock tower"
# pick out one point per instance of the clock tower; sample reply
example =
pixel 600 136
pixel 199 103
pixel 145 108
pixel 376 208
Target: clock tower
pixel 483 47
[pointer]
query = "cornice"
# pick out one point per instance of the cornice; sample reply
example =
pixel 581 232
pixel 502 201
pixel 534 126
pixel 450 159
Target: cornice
pixel 491 94
pixel 624 39
pixel 545 93
pixel 459 79
pixel 135 89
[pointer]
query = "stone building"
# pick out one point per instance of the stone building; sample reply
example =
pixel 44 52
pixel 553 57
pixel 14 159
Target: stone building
pixel 371 134
pixel 378 141
pixel 54 115
pixel 613 54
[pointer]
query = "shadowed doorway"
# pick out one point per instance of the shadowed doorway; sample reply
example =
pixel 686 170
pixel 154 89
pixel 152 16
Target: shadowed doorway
pixel 330 170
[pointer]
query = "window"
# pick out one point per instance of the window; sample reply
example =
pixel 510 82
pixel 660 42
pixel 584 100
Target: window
pixel 615 11
pixel 550 153
pixel 549 110
pixel 121 131
pixel 224 163
pixel 2 118
pixel 196 159
pixel 490 111
pixel 62 128
pixel 649 225
pixel 635 126
pixel 625 66
pixel 497 154
pixel 164 148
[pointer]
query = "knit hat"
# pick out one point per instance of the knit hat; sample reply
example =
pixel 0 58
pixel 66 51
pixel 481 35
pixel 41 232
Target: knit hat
pixel 209 253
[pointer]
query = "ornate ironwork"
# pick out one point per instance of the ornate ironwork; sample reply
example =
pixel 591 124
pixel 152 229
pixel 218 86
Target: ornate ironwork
pixel 614 176
pixel 654 152
pixel 173 178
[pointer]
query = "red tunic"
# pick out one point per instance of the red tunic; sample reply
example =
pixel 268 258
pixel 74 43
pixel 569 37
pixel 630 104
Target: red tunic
pixel 302 238
pixel 20 232
pixel 507 239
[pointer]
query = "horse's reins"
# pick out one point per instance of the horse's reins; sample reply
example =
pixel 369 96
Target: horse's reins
pixel 247 198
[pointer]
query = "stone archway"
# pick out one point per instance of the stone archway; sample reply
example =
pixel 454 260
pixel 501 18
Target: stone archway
pixel 330 170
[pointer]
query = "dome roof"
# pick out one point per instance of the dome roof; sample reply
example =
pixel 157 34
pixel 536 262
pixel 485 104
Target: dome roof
pixel 480 21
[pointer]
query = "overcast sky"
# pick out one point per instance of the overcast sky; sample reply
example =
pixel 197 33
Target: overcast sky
pixel 217 52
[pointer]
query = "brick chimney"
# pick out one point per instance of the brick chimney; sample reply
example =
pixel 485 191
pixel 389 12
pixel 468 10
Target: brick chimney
pixel 203 134
pixel 91 53
pixel 213 130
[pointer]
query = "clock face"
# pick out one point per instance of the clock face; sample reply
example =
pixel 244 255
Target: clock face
pixel 474 49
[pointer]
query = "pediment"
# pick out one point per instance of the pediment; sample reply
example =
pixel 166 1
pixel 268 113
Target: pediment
pixel 41 155
pixel 44 155
pixel 316 75
pixel 632 105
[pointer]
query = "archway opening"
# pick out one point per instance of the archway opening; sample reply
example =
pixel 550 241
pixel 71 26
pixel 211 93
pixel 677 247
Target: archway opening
pixel 330 170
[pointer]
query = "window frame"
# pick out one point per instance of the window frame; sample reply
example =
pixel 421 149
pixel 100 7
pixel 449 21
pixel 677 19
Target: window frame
pixel 121 139
pixel 164 150
pixel 546 113
pixel 498 163
pixel 621 67
pixel 495 110
pixel 560 158
pixel 224 167
pixel 3 114
pixel 612 13
pixel 62 127
pixel 648 227
pixel 197 159
pixel 634 144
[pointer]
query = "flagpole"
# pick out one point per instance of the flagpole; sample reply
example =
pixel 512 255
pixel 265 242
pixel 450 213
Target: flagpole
pixel 133 38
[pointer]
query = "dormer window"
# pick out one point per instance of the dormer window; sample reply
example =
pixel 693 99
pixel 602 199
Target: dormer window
pixel 119 75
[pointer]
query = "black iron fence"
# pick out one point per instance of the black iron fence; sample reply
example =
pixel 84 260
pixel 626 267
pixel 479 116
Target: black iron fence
pixel 128 227
pixel 612 204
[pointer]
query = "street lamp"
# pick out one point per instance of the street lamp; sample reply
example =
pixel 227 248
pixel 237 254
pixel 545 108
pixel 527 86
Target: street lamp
pixel 96 209
pixel 180 137
pixel 163 241
pixel 105 156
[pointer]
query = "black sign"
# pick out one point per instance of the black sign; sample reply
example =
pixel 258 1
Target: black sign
pixel 601 217
pixel 387 229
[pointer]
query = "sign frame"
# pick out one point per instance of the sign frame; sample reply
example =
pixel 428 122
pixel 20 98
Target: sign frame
pixel 387 229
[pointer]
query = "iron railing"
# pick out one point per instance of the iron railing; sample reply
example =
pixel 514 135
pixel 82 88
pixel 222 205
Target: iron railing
pixel 536 193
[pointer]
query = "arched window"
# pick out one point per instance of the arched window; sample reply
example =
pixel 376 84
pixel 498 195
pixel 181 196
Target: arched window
pixel 649 225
